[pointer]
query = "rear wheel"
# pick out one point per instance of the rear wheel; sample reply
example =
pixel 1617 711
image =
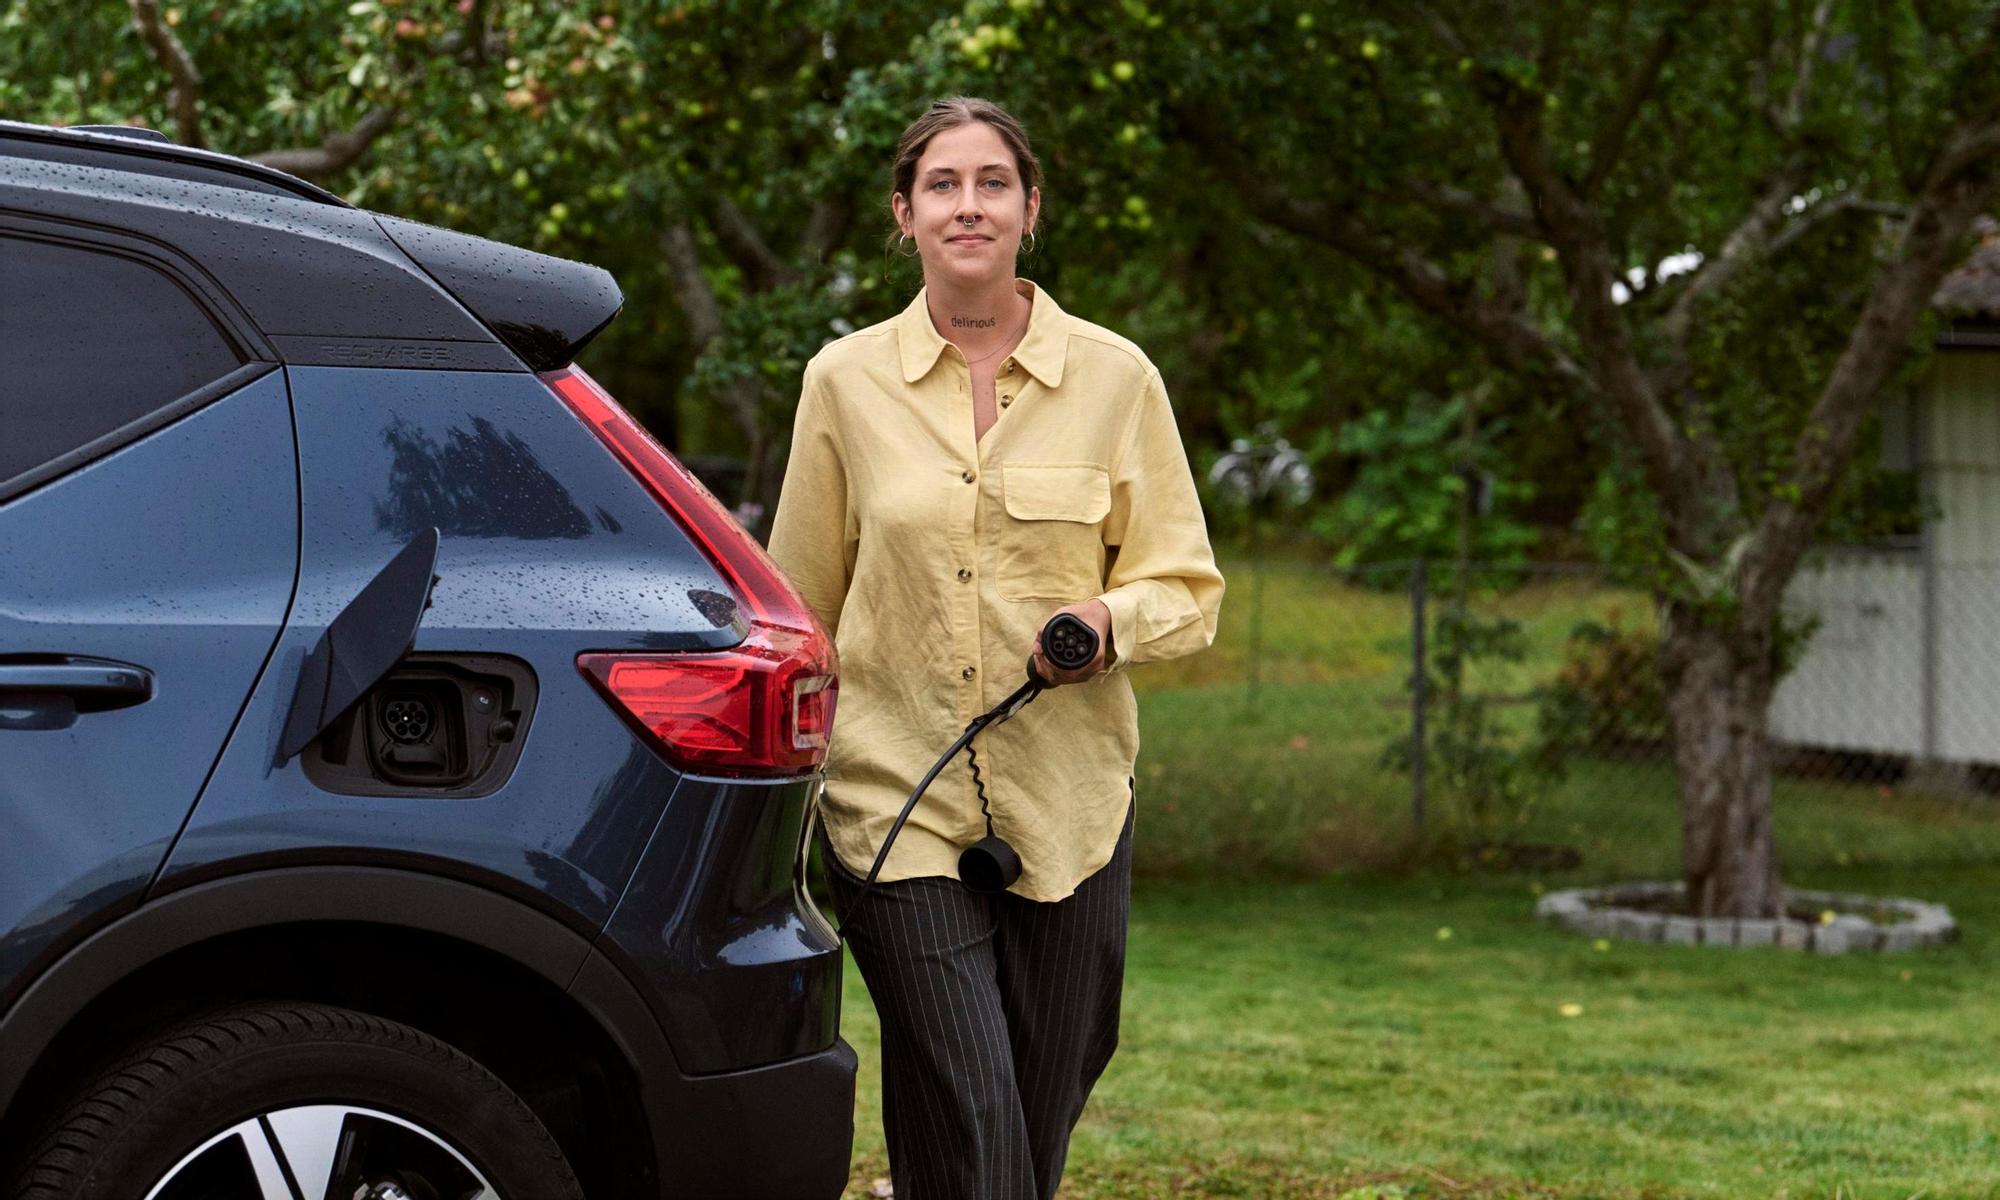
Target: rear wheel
pixel 344 1106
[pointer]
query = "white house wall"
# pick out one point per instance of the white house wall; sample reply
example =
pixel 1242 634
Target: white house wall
pixel 1962 446
pixel 1962 457
pixel 1969 664
pixel 1859 685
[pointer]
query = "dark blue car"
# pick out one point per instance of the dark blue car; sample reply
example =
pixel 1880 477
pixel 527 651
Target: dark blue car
pixel 406 766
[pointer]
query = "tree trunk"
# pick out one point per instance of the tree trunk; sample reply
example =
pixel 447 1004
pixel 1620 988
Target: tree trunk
pixel 763 481
pixel 1718 689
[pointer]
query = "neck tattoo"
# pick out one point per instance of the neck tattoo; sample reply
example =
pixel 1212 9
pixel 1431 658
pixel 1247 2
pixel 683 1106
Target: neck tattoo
pixel 963 326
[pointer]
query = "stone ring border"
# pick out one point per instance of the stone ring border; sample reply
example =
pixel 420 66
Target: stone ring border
pixel 1596 913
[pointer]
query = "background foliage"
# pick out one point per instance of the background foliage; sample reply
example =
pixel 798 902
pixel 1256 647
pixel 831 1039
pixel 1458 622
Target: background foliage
pixel 763 131
pixel 589 131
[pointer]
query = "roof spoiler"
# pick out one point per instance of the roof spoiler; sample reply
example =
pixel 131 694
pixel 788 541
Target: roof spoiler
pixel 545 308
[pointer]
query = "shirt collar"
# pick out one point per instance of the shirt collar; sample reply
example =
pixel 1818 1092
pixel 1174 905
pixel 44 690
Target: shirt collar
pixel 1042 350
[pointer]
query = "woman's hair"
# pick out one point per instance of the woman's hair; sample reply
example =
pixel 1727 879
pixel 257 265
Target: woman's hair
pixel 950 113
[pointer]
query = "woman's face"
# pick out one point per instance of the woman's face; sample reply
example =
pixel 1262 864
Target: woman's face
pixel 967 210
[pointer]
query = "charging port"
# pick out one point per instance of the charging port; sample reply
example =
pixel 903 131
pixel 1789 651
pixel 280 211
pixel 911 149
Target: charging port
pixel 419 732
pixel 409 719
pixel 435 725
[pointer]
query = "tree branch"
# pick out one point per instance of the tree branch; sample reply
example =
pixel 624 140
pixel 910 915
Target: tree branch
pixel 475 42
pixel 1825 211
pixel 691 290
pixel 1507 282
pixel 1511 337
pixel 1457 202
pixel 1963 183
pixel 1758 89
pixel 168 51
pixel 1969 149
pixel 1609 143
pixel 747 248
pixel 1445 30
pixel 696 299
pixel 1750 240
pixel 338 151
pixel 1558 25
pixel 475 33
pixel 1584 252
pixel 1785 119
pixel 1758 234
pixel 1745 244
pixel 827 227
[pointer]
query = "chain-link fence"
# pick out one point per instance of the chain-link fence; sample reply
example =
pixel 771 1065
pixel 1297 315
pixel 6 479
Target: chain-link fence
pixel 1544 715
pixel 1541 719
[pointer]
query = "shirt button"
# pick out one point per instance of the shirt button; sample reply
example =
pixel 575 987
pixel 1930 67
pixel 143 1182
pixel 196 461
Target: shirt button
pixel 1006 400
pixel 965 674
pixel 964 573
pixel 968 477
pixel 1009 368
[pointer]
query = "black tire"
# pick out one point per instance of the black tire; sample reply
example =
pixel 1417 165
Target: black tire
pixel 131 1126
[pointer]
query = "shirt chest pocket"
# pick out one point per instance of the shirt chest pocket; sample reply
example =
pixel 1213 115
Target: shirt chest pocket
pixel 1049 542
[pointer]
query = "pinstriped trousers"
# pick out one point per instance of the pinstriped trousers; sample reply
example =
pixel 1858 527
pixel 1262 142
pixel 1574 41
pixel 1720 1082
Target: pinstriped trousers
pixel 998 1014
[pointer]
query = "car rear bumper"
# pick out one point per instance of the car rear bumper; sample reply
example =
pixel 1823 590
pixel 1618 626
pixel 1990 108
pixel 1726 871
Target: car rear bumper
pixel 783 1131
pixel 717 931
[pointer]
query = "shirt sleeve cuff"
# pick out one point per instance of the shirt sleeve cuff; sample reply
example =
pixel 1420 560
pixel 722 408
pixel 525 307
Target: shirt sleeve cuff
pixel 1124 628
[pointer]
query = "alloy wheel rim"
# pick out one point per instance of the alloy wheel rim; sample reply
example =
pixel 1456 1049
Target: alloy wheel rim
pixel 324 1152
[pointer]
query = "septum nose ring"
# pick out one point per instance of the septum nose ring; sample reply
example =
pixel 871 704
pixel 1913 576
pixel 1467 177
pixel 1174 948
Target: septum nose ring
pixel 966 221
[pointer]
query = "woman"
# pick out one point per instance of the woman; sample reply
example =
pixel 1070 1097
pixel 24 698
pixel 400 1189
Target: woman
pixel 958 476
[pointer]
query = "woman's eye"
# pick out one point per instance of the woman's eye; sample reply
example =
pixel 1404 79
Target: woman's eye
pixel 940 185
pixel 995 183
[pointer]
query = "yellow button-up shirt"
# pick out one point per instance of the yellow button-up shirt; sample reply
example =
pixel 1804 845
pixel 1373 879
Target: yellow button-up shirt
pixel 934 557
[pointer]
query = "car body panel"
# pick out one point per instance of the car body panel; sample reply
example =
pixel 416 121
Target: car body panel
pixel 175 554
pixel 547 548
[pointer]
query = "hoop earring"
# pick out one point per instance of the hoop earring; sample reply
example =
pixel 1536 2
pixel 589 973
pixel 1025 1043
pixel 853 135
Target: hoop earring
pixel 899 247
pixel 1030 249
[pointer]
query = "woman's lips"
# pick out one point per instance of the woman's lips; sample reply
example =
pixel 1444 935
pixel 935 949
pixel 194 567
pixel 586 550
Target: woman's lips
pixel 969 238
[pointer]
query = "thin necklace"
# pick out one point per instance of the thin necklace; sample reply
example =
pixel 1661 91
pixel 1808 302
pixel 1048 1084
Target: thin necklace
pixel 971 362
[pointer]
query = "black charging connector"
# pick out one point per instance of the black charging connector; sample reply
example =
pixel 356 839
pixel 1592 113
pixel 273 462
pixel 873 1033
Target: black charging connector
pixel 1068 642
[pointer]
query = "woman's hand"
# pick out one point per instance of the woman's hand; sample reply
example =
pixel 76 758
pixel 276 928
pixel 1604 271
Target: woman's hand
pixel 1094 614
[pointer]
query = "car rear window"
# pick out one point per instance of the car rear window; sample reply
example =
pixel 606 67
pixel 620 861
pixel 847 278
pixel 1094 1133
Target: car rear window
pixel 92 343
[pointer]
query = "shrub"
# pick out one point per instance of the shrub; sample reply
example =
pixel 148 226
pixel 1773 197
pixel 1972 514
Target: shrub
pixel 1409 497
pixel 1607 697
pixel 1492 776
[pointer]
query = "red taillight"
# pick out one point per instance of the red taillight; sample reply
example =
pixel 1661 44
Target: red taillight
pixel 762 707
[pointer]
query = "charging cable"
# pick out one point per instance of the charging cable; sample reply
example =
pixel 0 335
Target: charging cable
pixel 990 864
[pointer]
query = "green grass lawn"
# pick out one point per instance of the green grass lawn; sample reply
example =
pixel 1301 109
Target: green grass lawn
pixel 1316 1008
pixel 1302 1039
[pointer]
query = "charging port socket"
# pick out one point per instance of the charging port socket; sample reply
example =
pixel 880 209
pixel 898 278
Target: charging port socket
pixel 446 725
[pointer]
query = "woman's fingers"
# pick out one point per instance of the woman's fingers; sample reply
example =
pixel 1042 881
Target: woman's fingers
pixel 1057 676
